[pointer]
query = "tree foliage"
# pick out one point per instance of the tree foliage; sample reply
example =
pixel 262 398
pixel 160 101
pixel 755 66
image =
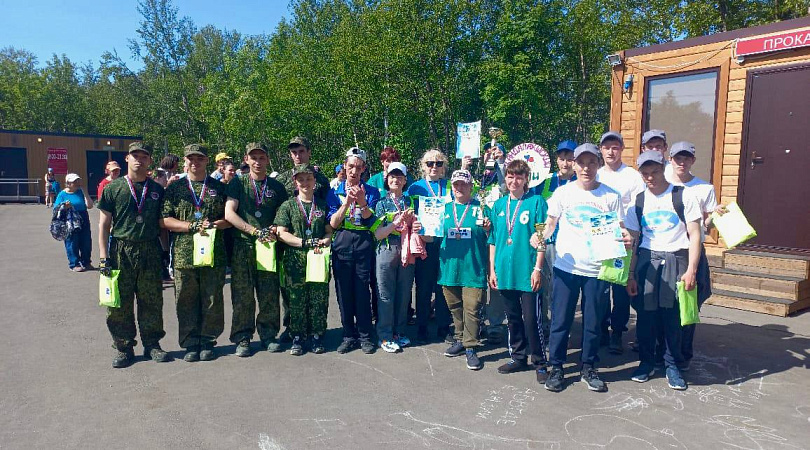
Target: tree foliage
pixel 365 72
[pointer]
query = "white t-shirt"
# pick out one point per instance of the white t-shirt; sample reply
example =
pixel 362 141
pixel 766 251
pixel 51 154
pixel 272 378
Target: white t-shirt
pixel 573 207
pixel 703 192
pixel 626 181
pixel 663 229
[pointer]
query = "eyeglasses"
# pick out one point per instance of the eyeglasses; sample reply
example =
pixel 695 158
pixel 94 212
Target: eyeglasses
pixel 435 163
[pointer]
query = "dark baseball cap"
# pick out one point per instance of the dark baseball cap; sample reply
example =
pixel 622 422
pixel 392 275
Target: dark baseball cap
pixel 298 140
pixel 302 168
pixel 566 145
pixel 586 148
pixel 611 135
pixel 652 134
pixel 195 149
pixel 646 157
pixel 682 147
pixel 138 146
pixel 255 146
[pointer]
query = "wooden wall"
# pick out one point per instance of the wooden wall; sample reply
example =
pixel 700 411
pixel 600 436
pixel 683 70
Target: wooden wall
pixel 77 146
pixel 627 108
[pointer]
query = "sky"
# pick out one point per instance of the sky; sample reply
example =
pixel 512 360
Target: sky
pixel 84 29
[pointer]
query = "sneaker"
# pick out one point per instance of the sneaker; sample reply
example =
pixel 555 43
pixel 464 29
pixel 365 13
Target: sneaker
pixel 542 374
pixel 402 340
pixel 454 350
pixel 555 380
pixel 285 337
pixel 642 374
pixel 156 354
pixel 346 346
pixel 123 359
pixel 422 336
pixel 513 366
pixel 273 346
pixel 615 347
pixel 367 346
pixel 297 347
pixel 591 378
pixel 78 269
pixel 88 266
pixel 473 363
pixel 675 380
pixel 443 334
pixel 389 346
pixel 208 353
pixel 243 348
pixel 317 344
pixel 192 354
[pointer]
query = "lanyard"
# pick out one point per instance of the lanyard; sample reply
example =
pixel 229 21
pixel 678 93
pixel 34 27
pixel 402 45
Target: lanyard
pixel 510 224
pixel 259 194
pixel 197 201
pixel 138 204
pixel 396 202
pixel 463 215
pixel 430 188
pixel 309 218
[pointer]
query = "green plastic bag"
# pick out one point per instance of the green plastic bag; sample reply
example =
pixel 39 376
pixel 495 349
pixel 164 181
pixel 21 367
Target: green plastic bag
pixel 204 248
pixel 266 256
pixel 688 302
pixel 733 226
pixel 318 266
pixel 615 271
pixel 108 290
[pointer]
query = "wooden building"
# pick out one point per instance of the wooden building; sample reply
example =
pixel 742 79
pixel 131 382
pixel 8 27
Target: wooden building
pixel 743 98
pixel 28 154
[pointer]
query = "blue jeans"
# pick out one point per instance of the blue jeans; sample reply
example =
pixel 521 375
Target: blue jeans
pixel 79 244
pixel 566 292
pixel 394 283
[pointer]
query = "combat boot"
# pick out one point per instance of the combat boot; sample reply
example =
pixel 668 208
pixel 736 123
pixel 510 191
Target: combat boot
pixel 123 359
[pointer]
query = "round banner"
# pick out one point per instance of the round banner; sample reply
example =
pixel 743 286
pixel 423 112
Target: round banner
pixel 537 158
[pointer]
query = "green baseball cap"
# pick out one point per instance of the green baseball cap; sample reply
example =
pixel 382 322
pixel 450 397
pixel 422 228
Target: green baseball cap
pixel 255 146
pixel 303 168
pixel 298 140
pixel 195 149
pixel 138 146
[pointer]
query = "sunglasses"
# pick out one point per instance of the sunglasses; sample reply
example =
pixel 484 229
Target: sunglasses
pixel 435 163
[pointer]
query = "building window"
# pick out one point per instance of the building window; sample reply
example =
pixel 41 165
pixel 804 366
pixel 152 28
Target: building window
pixel 685 106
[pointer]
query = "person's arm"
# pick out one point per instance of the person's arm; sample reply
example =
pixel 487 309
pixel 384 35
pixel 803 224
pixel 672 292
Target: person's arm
pixel 289 238
pixel 88 202
pixel 688 278
pixel 493 280
pixel 537 272
pixel 632 285
pixel 327 238
pixel 104 223
pixel 231 205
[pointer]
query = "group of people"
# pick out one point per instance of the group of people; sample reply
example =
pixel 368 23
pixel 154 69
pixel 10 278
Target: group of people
pixel 486 248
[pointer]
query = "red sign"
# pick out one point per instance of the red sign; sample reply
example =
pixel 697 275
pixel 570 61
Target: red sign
pixel 774 43
pixel 57 160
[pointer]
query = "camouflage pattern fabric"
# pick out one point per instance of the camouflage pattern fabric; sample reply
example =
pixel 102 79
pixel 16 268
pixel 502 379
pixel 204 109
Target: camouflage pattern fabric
pixel 242 190
pixel 117 200
pixel 179 204
pixel 321 184
pixel 140 266
pixel 200 312
pixel 247 281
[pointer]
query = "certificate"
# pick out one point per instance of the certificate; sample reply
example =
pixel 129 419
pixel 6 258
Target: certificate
pixel 605 237
pixel 431 215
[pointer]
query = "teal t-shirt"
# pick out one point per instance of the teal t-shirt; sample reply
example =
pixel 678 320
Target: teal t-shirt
pixel 514 263
pixel 463 261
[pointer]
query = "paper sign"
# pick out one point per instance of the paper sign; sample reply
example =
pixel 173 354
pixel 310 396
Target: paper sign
pixel 605 236
pixel 431 214
pixel 468 139
pixel 537 158
pixel 733 226
pixel 57 160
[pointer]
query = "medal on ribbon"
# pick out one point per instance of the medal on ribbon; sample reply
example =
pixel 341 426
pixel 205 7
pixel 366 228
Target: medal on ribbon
pixel 258 195
pixel 197 201
pixel 510 218
pixel 307 218
pixel 138 203
pixel 460 222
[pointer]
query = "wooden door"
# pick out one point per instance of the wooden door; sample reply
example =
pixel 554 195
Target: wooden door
pixel 774 191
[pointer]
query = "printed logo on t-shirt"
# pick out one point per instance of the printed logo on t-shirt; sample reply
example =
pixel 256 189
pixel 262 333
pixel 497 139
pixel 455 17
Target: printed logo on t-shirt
pixel 660 221
pixel 579 215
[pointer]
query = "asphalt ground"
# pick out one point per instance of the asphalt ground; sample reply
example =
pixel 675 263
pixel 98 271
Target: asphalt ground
pixel 749 385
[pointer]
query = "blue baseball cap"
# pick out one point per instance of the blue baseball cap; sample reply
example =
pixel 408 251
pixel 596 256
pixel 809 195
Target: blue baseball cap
pixel 567 145
pixel 338 168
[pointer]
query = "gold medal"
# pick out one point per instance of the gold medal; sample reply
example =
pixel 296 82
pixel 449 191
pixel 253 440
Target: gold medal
pixel 509 241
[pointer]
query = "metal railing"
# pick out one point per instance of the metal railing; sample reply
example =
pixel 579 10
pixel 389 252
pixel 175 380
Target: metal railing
pixel 19 197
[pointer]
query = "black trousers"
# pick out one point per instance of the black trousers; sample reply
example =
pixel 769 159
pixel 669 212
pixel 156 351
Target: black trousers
pixel 525 326
pixel 352 255
pixel 427 277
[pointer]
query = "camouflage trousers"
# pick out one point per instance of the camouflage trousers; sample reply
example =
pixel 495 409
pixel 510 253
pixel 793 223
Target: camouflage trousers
pixel 309 302
pixel 249 286
pixel 140 265
pixel 200 312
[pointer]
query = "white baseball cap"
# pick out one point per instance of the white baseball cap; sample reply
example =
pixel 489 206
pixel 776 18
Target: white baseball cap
pixel 71 177
pixel 397 166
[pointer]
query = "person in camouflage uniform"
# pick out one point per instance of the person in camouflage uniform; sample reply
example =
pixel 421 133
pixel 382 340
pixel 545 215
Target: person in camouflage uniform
pixel 300 153
pixel 251 207
pixel 130 209
pixel 190 206
pixel 302 226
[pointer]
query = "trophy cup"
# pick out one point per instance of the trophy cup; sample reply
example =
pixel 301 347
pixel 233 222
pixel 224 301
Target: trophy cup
pixel 539 228
pixel 494 133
